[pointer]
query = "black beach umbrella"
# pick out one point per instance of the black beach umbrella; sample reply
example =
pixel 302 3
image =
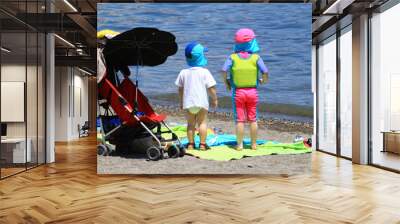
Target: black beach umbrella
pixel 140 46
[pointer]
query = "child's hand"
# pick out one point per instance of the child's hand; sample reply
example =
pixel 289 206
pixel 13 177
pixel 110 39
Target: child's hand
pixel 214 104
pixel 264 79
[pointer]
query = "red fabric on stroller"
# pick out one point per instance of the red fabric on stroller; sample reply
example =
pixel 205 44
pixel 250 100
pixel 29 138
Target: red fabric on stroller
pixel 128 90
pixel 122 101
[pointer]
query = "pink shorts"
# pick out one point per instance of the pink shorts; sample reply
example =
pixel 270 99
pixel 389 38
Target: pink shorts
pixel 246 104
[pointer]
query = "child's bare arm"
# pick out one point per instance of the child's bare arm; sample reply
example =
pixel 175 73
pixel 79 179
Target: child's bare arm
pixel 225 78
pixel 181 97
pixel 213 94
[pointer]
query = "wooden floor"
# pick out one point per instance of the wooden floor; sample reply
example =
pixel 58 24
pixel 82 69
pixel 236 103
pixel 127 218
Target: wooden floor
pixel 70 191
pixel 10 171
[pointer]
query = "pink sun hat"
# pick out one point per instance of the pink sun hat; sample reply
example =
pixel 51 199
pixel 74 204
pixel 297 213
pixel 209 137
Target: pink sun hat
pixel 244 35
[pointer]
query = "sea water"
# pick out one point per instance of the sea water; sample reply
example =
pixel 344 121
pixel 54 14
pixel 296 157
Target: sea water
pixel 283 33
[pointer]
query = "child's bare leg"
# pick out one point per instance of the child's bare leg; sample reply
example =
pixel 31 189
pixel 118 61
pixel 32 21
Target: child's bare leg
pixel 191 128
pixel 239 135
pixel 202 122
pixel 253 134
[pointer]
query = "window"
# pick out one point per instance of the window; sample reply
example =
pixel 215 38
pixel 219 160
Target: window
pixel 385 88
pixel 22 77
pixel 346 92
pixel 327 95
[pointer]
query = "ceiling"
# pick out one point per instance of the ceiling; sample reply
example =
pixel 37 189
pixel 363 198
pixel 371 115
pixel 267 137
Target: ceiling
pixel 330 15
pixel 73 21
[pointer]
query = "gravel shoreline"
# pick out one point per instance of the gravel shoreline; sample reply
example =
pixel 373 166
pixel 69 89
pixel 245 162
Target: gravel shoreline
pixel 302 128
pixel 277 130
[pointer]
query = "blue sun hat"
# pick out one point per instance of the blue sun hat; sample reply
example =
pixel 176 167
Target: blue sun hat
pixel 194 53
pixel 250 47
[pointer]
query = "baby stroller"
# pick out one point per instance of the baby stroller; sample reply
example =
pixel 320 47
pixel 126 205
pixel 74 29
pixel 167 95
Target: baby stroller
pixel 134 130
pixel 135 127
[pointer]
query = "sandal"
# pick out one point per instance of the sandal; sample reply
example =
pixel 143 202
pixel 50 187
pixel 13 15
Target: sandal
pixel 204 146
pixel 190 144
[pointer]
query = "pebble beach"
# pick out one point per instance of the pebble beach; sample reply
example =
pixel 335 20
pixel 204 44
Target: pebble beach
pixel 278 130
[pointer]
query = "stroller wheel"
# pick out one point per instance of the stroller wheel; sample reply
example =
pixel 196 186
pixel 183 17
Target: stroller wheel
pixel 153 153
pixel 173 151
pixel 102 150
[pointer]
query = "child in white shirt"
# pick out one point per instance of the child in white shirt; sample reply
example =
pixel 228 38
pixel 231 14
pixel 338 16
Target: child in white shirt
pixel 194 83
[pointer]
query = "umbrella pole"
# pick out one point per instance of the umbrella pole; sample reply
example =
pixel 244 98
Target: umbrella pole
pixel 137 86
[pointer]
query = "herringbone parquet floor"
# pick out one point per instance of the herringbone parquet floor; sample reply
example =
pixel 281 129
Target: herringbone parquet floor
pixel 70 191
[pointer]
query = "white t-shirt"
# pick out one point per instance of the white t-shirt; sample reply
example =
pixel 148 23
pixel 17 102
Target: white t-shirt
pixel 195 82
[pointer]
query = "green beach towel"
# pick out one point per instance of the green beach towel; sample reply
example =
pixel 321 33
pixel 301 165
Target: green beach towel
pixel 180 131
pixel 226 153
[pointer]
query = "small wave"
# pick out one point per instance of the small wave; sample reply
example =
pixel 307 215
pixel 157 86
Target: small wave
pixel 263 107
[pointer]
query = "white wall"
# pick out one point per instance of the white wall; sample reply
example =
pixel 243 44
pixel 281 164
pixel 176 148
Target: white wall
pixel 16 73
pixel 80 94
pixel 71 93
pixel 9 73
pixel 61 103
pixel 34 124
